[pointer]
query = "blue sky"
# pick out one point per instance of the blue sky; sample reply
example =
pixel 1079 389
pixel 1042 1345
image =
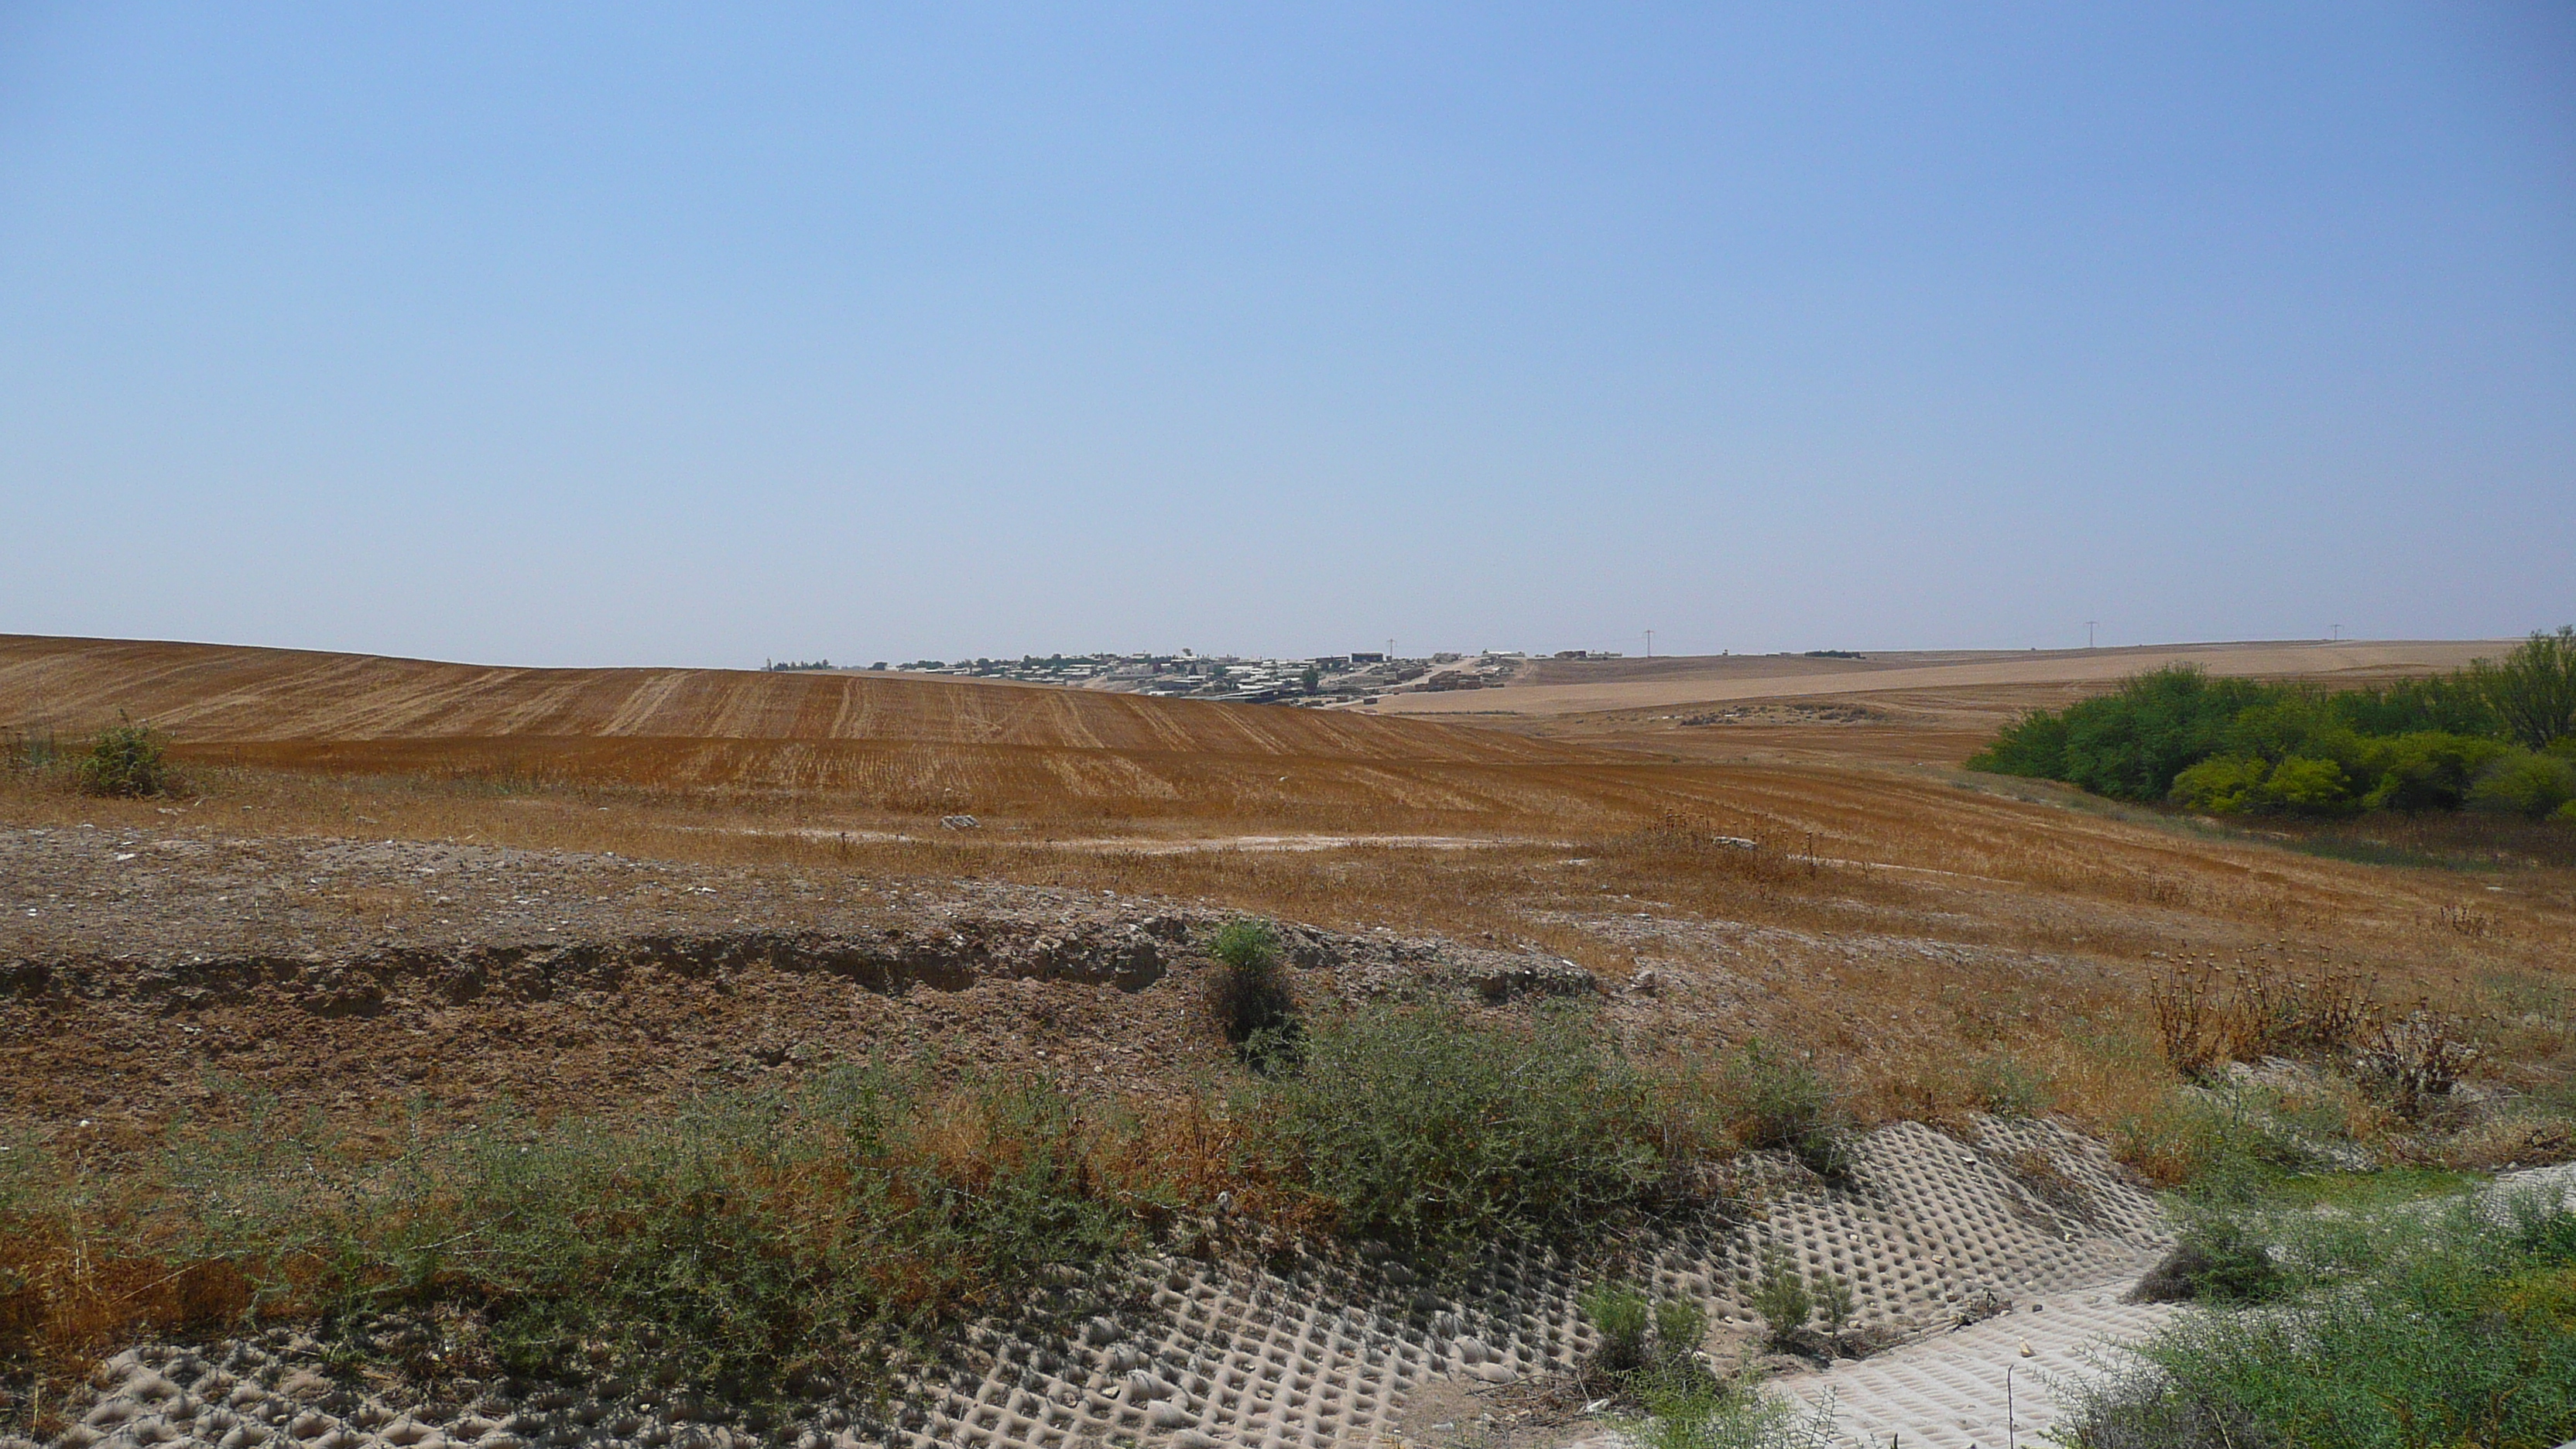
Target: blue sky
pixel 630 334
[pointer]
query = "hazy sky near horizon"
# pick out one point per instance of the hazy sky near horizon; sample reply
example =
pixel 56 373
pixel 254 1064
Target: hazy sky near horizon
pixel 631 333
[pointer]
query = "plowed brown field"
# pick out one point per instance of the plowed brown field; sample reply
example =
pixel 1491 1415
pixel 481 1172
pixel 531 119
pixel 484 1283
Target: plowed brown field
pixel 908 745
pixel 204 693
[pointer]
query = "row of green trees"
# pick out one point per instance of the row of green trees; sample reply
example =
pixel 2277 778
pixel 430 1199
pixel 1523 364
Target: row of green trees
pixel 2499 735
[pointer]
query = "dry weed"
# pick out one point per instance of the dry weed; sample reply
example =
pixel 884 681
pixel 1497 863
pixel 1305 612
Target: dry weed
pixel 2205 1019
pixel 2414 1057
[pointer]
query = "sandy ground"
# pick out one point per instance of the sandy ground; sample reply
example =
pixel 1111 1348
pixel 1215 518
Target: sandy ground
pixel 1989 1384
pixel 1559 687
pixel 1985 1386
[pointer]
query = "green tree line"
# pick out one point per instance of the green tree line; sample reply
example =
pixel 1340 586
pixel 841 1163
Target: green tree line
pixel 2499 735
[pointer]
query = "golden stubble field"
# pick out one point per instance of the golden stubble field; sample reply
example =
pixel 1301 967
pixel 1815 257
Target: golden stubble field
pixel 1900 917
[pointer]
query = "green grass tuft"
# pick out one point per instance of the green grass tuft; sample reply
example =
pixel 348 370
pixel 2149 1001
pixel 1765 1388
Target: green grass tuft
pixel 2394 1330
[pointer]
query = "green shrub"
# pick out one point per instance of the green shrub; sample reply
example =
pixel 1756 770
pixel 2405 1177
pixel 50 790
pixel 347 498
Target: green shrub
pixel 2214 1259
pixel 1425 1126
pixel 1680 1324
pixel 2033 746
pixel 2288 722
pixel 31 752
pixel 2004 1086
pixel 125 760
pixel 2303 784
pixel 1836 1298
pixel 2240 747
pixel 1782 1103
pixel 2413 772
pixel 736 1246
pixel 1250 993
pixel 2234 1144
pixel 2132 743
pixel 2397 1331
pixel 2225 785
pixel 2423 770
pixel 2533 689
pixel 1781 1297
pixel 1624 1365
pixel 2447 703
pixel 2244 785
pixel 1618 1314
pixel 1700 1413
pixel 2525 783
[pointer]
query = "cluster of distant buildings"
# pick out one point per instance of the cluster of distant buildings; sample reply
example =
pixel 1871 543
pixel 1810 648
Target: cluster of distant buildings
pixel 1326 679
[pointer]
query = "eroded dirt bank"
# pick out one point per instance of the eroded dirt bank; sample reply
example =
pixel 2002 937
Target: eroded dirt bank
pixel 140 975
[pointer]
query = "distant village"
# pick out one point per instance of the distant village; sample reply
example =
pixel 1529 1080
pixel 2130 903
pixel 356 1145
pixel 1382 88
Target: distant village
pixel 1327 679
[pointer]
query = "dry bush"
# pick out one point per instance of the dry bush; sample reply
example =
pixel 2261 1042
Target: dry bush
pixel 2510 1140
pixel 2272 1011
pixel 2413 1057
pixel 2205 1019
pixel 2463 921
pixel 2190 1021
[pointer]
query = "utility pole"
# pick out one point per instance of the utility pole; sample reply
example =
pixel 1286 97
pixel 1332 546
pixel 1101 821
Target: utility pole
pixel 1650 643
pixel 2088 632
pixel 2338 633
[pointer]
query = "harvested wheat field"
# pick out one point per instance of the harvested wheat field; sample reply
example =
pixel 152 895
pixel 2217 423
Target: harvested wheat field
pixel 502 1056
pixel 1584 686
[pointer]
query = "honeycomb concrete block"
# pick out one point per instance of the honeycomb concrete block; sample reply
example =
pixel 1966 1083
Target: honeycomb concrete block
pixel 1320 1351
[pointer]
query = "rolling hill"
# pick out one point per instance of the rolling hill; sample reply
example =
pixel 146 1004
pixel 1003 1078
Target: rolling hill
pixel 901 743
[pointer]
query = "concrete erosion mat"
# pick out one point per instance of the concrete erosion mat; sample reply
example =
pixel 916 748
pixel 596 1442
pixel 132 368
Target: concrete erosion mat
pixel 1313 1351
